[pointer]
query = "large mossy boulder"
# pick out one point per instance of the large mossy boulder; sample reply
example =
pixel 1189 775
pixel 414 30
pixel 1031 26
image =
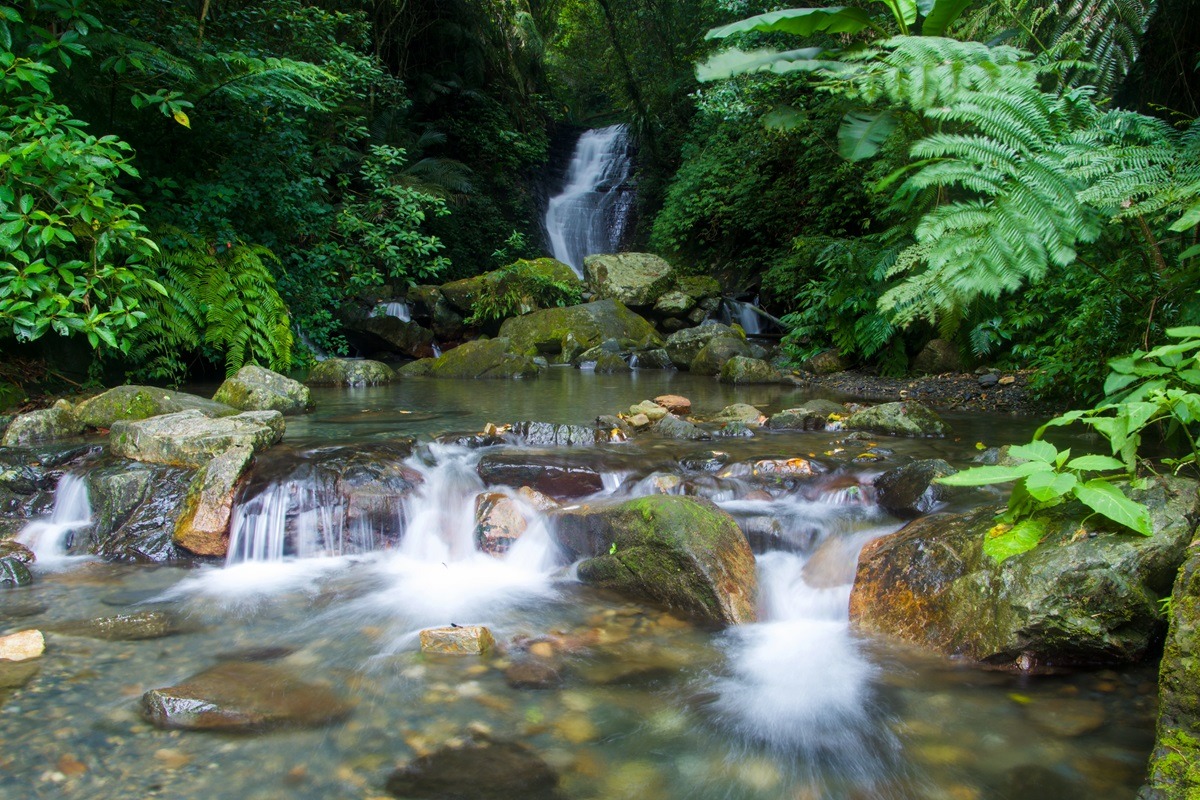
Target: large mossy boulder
pixel 387 334
pixel 254 388
pixel 202 526
pixel 484 358
pixel 1087 595
pixel 741 370
pixel 683 346
pixel 1175 762
pixel 635 279
pixel 588 325
pixel 814 415
pixel 937 357
pixel 190 439
pixel 906 418
pixel 350 372
pixel 142 402
pixel 717 352
pixel 682 552
pixel 44 425
pixel 134 508
pixel 464 294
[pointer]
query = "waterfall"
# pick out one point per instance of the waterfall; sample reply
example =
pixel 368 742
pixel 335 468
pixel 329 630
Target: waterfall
pixel 50 539
pixel 397 309
pixel 587 216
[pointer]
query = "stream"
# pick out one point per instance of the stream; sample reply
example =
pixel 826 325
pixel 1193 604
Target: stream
pixel 796 706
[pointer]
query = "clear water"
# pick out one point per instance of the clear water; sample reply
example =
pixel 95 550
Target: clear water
pixel 796 706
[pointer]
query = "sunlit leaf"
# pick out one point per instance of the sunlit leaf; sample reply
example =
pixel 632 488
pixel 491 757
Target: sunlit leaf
pixel 799 21
pixel 1020 538
pixel 1106 499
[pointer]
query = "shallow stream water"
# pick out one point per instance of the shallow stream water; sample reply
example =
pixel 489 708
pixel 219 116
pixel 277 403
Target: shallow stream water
pixel 797 706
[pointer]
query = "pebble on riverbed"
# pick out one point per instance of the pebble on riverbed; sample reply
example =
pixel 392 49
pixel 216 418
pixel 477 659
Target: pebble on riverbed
pixel 22 646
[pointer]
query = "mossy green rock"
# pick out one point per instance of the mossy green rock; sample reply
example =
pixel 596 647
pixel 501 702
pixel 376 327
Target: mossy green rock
pixel 674 304
pixel 683 346
pixel 253 388
pixel 1083 599
pixel 350 372
pixel 716 353
pixel 588 325
pixel 142 402
pixel 812 416
pixel 57 422
pixel 682 552
pixel 907 418
pixel 699 287
pixel 190 439
pixel 741 370
pixel 1175 762
pixel 635 279
pixel 463 294
pixel 417 369
pixel 608 363
pixel 484 358
pixel 13 560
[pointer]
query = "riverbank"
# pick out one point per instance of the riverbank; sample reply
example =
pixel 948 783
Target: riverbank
pixel 1010 393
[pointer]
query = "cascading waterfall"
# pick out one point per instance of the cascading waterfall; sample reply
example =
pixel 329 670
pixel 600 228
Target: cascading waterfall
pixel 50 539
pixel 587 216
pixel 398 309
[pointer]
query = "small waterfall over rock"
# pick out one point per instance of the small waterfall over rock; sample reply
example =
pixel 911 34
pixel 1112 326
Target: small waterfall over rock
pixel 398 309
pixel 590 214
pixel 50 539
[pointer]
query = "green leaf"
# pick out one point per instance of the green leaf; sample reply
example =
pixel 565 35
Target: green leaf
pixel 1186 331
pixel 1048 485
pixel 799 21
pixel 784 118
pixel 1036 450
pixel 1020 538
pixel 1095 463
pixel 1190 218
pixel 905 11
pixel 981 476
pixel 863 133
pixel 943 15
pixel 732 62
pixel 1106 499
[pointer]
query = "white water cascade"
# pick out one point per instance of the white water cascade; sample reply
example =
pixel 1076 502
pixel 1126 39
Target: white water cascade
pixel 587 217
pixel 398 309
pixel 50 539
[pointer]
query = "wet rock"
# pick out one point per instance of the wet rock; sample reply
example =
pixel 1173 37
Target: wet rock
pixel 676 404
pixel 587 325
pixel 710 461
pixel 936 357
pixel 134 511
pixel 1076 599
pixel 203 523
pixel 635 279
pixel 679 551
pixel 705 289
pixel 532 673
pixel 350 372
pixel 672 427
pixel 47 424
pixel 15 674
pixel 430 304
pixel 1064 716
pixel 683 346
pixel 388 334
pixel 551 474
pixel 498 522
pixel 638 421
pixel 481 770
pixel 655 358
pixel 143 402
pixel 536 499
pixel 906 418
pixel 546 434
pixel 909 490
pixel 988 380
pixel 674 304
pixel 13 572
pixel 734 430
pixel 239 696
pixel 826 362
pixel 253 388
pixel 133 627
pixel 457 640
pixel 610 363
pixel 653 411
pixel 22 646
pixel 716 352
pixel 740 370
pixel 812 416
pixel 421 368
pixel 484 358
pixel 190 439
pixel 740 412
pixel 1037 781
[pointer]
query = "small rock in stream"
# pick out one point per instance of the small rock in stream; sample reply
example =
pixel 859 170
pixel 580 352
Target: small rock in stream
pixel 124 627
pixel 457 640
pixel 22 646
pixel 532 674
pixel 483 770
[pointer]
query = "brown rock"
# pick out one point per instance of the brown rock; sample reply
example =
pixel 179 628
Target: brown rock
pixel 532 674
pixel 459 640
pixel 203 523
pixel 498 522
pixel 536 499
pixel 676 404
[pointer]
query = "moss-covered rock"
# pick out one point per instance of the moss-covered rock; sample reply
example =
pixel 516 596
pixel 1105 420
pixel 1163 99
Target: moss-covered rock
pixel 744 413
pixel 699 287
pixel 683 346
pixel 202 526
pixel 827 362
pixel 907 418
pixel 674 304
pixel 741 370
pixel 350 372
pixel 1087 595
pixel 484 358
pixel 588 325
pixel 253 388
pixel 679 551
pixel 716 353
pixel 655 358
pixel 635 279
pixel 142 402
pixel 13 560
pixel 190 439
pixel 609 363
pixel 463 295
pixel 387 334
pixel 45 425
pixel 936 357
pixel 814 415
pixel 420 368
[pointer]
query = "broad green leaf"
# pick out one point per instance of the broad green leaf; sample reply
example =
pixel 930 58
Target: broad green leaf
pixel 799 21
pixel 1020 538
pixel 1046 486
pixel 1095 463
pixel 784 118
pixel 1106 499
pixel 943 15
pixel 1185 331
pixel 1191 252
pixel 905 12
pixel 732 62
pixel 863 133
pixel 981 476
pixel 1190 218
pixel 1065 419
pixel 1116 382
pixel 1036 450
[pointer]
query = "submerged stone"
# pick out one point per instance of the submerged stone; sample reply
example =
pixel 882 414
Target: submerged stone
pixel 124 627
pixel 190 439
pixel 532 673
pixel 481 770
pixel 256 389
pixel 457 640
pixel 142 402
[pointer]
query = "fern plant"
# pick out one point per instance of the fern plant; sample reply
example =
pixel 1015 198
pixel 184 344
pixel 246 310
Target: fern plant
pixel 524 286
pixel 221 301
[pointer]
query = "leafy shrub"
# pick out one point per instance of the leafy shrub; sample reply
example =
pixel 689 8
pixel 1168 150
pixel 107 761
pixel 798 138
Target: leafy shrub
pixel 522 287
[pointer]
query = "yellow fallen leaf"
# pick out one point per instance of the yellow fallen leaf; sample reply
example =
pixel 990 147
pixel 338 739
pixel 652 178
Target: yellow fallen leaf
pixel 182 119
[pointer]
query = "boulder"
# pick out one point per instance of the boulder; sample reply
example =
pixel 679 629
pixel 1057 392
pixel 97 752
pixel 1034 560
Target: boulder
pixel 253 388
pixel 718 350
pixel 480 770
pixel 532 673
pixel 22 645
pixel 484 358
pixel 741 370
pixel 635 279
pixel 463 294
pixel 672 427
pixel 1175 762
pixel 610 363
pixel 546 434
pixel 679 551
pixel 499 522
pixel 422 367
pixel 683 346
pixel 701 288
pixel 190 439
pixel 909 490
pixel 431 304
pixel 674 304
pixel 242 696
pixel 827 362
pixel 655 358
pixel 936 357
pixel 653 411
pixel 47 424
pixel 588 325
pixel 551 474
pixel 202 526
pixel 134 511
pixel 457 640
pixel 143 402
pixel 13 560
pixel 387 334
pixel 676 404
pixel 1087 595
pixel 350 372
pixel 740 412
pixel 906 418
pixel 812 416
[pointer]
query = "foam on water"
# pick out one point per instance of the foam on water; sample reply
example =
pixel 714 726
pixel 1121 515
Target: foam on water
pixel 50 539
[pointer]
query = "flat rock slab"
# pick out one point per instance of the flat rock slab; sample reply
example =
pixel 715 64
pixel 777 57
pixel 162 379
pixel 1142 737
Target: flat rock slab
pixel 124 627
pixel 484 770
pixel 242 696
pixel 142 402
pixel 457 640
pixel 191 439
